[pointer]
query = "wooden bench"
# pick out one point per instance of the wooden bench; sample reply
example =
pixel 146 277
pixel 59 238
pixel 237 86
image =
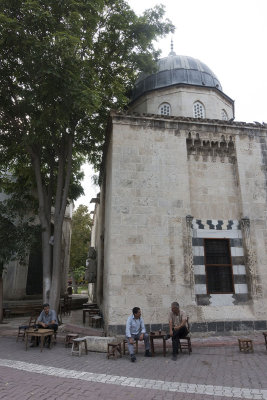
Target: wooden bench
pixel 245 345
pixel 23 310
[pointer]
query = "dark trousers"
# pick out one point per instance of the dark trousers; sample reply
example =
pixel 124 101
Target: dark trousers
pixel 177 335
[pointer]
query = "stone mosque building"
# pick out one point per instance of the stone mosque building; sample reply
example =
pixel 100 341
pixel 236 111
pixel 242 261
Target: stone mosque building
pixel 182 212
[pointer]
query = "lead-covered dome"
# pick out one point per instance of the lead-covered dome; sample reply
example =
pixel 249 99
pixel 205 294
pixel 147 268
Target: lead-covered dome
pixel 173 70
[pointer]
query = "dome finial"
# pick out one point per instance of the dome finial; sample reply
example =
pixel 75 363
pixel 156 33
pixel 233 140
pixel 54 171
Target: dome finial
pixel 172 53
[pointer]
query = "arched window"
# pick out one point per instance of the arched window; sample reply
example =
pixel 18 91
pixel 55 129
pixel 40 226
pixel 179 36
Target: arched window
pixel 224 115
pixel 165 109
pixel 199 110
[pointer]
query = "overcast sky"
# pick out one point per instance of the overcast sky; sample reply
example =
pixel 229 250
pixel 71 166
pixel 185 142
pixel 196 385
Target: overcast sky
pixel 230 37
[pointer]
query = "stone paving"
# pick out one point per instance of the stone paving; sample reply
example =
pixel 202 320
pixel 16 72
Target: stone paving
pixel 215 370
pixel 212 371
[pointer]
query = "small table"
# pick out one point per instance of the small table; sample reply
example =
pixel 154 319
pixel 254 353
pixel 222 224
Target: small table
pixel 157 335
pixel 41 333
pixel 89 305
pixel 90 311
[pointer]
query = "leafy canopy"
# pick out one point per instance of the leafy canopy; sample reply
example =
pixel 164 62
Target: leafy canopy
pixel 64 65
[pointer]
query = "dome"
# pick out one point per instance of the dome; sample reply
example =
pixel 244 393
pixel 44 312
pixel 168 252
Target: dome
pixel 175 70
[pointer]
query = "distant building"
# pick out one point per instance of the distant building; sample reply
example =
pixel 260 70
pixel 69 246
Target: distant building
pixel 182 213
pixel 21 281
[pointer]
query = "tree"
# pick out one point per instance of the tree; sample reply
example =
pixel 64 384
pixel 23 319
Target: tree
pixel 16 238
pixel 64 65
pixel 80 241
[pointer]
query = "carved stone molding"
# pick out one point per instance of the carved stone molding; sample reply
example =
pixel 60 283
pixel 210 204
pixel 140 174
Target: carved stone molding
pixel 211 148
pixel 188 256
pixel 250 260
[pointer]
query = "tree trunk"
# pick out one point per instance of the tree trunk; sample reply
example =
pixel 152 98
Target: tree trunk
pixel 1 298
pixel 44 197
pixel 56 274
pixel 46 258
pixel 63 183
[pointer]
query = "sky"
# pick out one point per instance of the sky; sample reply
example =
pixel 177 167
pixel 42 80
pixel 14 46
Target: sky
pixel 229 36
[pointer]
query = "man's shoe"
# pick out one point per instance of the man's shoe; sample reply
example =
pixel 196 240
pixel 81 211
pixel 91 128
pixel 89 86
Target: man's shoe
pixel 133 358
pixel 148 354
pixel 174 357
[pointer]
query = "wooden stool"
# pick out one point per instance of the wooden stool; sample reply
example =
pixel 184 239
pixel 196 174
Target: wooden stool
pixel 77 345
pixel 124 346
pixel 245 345
pixel 96 321
pixel 6 313
pixel 69 338
pixel 113 350
pixel 265 338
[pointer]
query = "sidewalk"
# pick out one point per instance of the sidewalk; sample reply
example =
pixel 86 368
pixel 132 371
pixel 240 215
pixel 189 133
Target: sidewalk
pixel 209 373
pixel 215 370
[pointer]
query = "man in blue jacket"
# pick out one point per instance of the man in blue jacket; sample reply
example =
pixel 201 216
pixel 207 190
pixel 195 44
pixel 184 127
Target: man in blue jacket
pixel 135 330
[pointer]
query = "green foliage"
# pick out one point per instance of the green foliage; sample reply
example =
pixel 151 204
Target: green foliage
pixel 16 240
pixel 78 274
pixel 80 239
pixel 64 65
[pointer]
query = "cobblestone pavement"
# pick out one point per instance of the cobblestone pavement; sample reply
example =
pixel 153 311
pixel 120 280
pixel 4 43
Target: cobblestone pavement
pixel 220 372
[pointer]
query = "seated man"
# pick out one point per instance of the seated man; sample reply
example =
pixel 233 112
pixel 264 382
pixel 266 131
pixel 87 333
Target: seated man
pixel 178 327
pixel 135 330
pixel 47 320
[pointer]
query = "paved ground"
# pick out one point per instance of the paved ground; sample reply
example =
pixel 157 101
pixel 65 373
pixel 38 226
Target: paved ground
pixel 215 370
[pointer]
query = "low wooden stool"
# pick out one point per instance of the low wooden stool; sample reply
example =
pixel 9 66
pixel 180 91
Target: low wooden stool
pixel 96 321
pixel 265 338
pixel 69 338
pixel 6 313
pixel 245 345
pixel 113 350
pixel 124 343
pixel 77 346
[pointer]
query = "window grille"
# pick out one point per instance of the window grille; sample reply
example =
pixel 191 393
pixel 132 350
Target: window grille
pixel 219 272
pixel 165 109
pixel 199 111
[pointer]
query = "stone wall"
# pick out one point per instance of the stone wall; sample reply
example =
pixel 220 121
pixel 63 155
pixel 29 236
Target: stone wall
pixel 162 176
pixel 181 100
